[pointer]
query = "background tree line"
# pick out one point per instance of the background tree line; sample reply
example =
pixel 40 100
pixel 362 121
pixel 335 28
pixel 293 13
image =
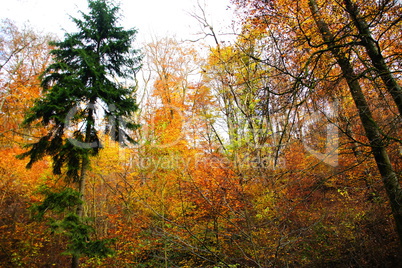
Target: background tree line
pixel 280 148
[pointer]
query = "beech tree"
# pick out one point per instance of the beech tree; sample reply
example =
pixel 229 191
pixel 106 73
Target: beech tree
pixel 24 54
pixel 352 48
pixel 377 143
pixel 84 78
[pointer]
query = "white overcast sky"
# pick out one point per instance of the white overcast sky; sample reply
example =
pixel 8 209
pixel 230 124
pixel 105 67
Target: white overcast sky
pixel 153 18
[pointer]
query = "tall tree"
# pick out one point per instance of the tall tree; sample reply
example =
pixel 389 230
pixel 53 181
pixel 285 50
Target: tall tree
pixel 85 77
pixel 333 47
pixel 24 54
pixel 374 51
pixel 377 144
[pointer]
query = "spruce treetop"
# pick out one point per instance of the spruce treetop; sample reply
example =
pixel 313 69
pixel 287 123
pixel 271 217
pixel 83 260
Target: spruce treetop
pixel 85 76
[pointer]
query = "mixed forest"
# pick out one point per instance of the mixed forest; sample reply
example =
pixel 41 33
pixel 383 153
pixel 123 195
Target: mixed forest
pixel 280 148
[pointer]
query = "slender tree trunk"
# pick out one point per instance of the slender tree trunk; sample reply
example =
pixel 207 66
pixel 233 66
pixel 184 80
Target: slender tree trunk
pixel 75 262
pixel 374 52
pixel 81 187
pixel 389 177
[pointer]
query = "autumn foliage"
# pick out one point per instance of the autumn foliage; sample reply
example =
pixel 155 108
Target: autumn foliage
pixel 253 155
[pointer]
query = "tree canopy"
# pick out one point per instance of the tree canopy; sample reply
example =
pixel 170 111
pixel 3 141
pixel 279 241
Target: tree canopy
pixel 280 147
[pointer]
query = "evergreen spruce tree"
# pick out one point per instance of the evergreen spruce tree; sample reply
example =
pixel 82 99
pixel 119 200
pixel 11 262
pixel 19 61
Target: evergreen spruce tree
pixel 80 84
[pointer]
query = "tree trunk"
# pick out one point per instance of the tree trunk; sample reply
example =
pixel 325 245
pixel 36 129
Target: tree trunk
pixel 75 262
pixel 374 52
pixel 377 145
